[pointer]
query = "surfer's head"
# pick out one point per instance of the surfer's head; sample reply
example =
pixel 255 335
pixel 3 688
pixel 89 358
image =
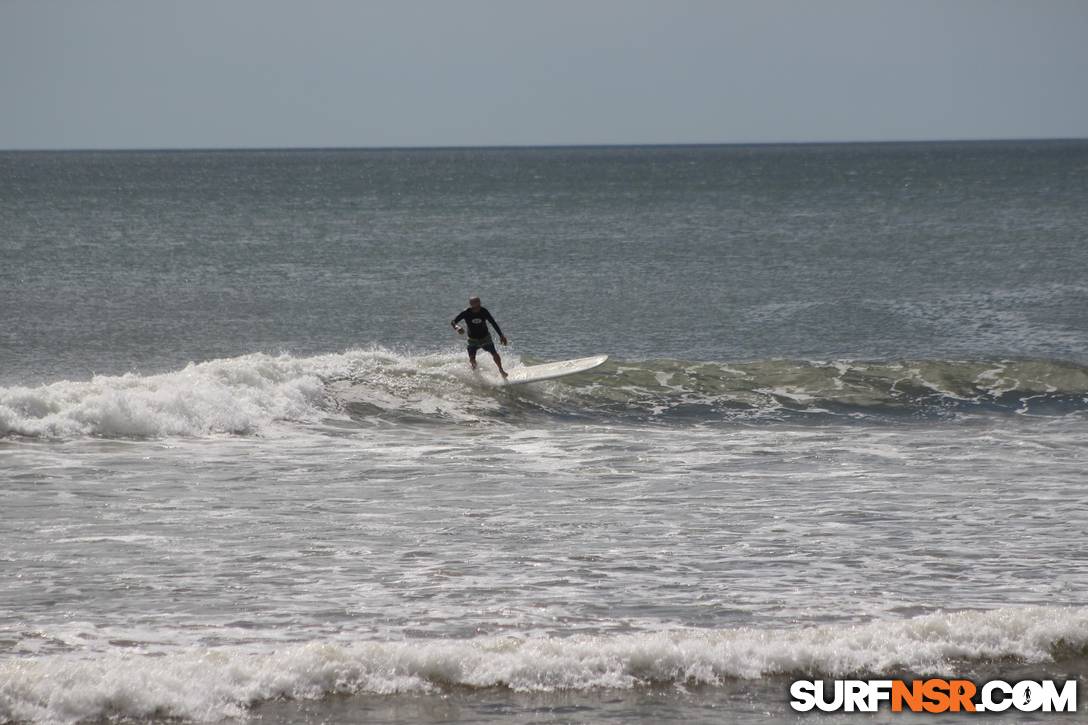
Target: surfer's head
pixel 474 301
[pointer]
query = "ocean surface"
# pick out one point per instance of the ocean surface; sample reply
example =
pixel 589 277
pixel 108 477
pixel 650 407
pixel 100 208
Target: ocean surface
pixel 247 475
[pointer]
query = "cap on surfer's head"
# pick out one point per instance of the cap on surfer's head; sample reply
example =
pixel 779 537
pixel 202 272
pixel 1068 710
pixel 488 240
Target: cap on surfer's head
pixel 474 299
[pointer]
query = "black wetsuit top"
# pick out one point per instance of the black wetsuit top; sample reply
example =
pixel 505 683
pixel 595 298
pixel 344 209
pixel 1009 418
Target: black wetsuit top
pixel 477 323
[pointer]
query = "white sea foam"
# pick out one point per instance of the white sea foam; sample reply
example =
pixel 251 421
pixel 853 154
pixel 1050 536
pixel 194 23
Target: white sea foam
pixel 240 395
pixel 248 394
pixel 217 683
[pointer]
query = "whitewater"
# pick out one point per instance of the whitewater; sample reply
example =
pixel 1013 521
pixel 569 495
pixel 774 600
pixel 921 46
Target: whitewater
pixel 249 394
pixel 207 684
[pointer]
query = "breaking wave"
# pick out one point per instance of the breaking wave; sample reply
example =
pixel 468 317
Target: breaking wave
pixel 250 394
pixel 216 683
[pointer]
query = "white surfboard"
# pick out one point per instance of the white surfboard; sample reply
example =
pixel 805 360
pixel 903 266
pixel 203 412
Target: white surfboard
pixel 548 371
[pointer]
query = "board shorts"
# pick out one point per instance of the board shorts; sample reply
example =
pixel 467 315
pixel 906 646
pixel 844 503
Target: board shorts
pixel 486 343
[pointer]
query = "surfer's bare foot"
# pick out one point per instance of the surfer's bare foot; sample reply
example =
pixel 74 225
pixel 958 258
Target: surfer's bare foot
pixel 504 375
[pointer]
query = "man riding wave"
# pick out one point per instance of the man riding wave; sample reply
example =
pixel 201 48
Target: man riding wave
pixel 476 317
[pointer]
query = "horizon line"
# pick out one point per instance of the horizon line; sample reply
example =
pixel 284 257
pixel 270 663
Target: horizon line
pixel 465 147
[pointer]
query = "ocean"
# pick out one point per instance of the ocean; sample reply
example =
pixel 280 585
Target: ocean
pixel 247 475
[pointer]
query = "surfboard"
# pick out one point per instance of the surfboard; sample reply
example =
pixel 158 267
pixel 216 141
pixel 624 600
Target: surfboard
pixel 549 371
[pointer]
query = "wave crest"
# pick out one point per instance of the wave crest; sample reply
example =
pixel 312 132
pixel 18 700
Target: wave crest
pixel 858 387
pixel 763 391
pixel 249 394
pixel 237 395
pixel 222 682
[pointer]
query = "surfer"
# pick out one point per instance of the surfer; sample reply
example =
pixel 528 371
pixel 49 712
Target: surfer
pixel 477 317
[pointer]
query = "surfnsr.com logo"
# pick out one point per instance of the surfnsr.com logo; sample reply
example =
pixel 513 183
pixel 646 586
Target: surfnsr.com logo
pixel 933 695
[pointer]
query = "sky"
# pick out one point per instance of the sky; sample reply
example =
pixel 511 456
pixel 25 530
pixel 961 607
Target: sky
pixel 369 73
